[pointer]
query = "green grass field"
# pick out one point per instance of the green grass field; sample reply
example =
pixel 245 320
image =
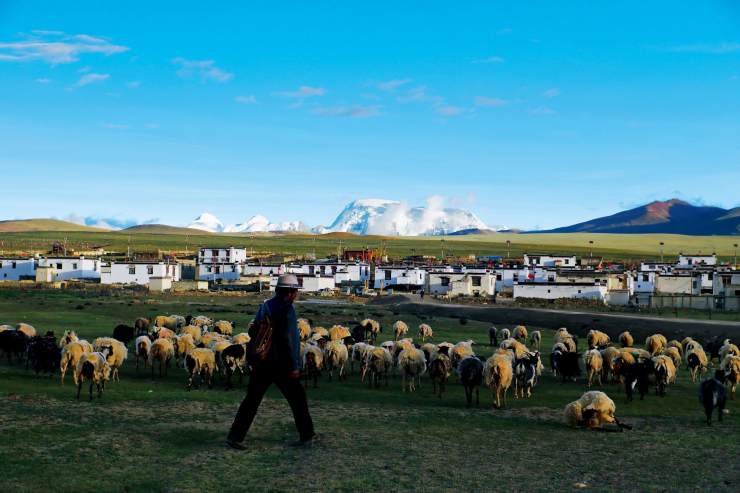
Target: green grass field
pixel 610 246
pixel 151 435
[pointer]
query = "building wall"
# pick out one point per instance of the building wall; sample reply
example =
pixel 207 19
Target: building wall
pixel 64 269
pixel 399 277
pixel 13 268
pixel 552 291
pixel 120 273
pixel 216 272
pixel 677 285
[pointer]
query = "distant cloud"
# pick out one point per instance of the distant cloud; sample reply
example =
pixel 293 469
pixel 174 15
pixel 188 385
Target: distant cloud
pixel 116 126
pixel 450 110
pixel 134 84
pixel 56 47
pixel 246 99
pixel 88 79
pixel 486 101
pixel 419 94
pixel 348 111
pixel 391 85
pixel 206 70
pixel 490 59
pixel 43 80
pixel 107 222
pixel 709 48
pixel 542 110
pixel 552 92
pixel 302 92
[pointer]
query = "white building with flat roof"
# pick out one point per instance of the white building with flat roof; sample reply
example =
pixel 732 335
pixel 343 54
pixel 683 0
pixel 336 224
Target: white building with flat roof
pixel 17 268
pixel 138 272
pixel 222 255
pixel 68 268
pixel 549 260
pixel 399 277
pixel 474 283
pixel 556 290
pixel 685 260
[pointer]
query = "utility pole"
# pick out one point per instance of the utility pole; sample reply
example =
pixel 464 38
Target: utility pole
pixel 508 249
pixel 661 252
pixel 590 250
pixel 734 264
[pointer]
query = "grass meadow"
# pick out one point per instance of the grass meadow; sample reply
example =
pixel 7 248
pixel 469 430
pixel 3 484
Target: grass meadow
pixel 149 434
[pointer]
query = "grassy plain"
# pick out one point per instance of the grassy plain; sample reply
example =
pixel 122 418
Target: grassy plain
pixel 151 435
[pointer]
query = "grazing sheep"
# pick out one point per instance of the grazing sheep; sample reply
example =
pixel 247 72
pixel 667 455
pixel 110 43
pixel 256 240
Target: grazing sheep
pixel 372 328
pixel 359 351
pixel 313 359
pixel 164 333
pixel 71 354
pixel 336 356
pixel 194 331
pixel 517 347
pixel 389 346
pixel 378 363
pixel 400 329
pixel 674 343
pixel 592 410
pixel 241 338
pixel 234 359
pixel 201 362
pixel 116 357
pixel 525 374
pixel 637 376
pixel 412 365
pixel 696 361
pixel 142 345
pixel 338 332
pixel 597 339
pixel 425 332
pixel 43 354
pixel 94 368
pixel 183 344
pixel 430 351
pixel 665 373
pixel 520 333
pixel 675 354
pixel 626 339
pixel 498 375
pixel 655 343
pixel 26 329
pixel 713 395
pixel 470 372
pixel 67 337
pixel 208 339
pixel 123 333
pixel 319 333
pixel 535 339
pixel 445 348
pixel 439 372
pixel 224 327
pixel 218 347
pixel 608 355
pixel 460 351
pixel 594 363
pixel 504 334
pixel 728 348
pixel 492 336
pixel 304 328
pixel 564 363
pixel 166 321
pixel 141 326
pixel 731 366
pixel 13 343
pixel 201 321
pixel 162 350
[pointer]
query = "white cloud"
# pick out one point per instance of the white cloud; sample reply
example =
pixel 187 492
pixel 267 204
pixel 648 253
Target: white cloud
pixel 490 59
pixel 542 110
pixel 486 101
pixel 134 84
pixel 303 92
pixel 420 94
pixel 708 48
pixel 391 85
pixel 107 222
pixel 206 70
pixel 348 111
pixel 450 110
pixel 116 126
pixel 56 47
pixel 246 99
pixel 91 79
pixel 43 80
pixel 552 92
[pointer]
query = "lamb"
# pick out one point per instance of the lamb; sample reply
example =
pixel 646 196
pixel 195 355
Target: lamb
pixel 592 410
pixel 425 332
pixel 498 374
pixel 439 372
pixel 224 327
pixel 26 329
pixel 201 362
pixel 626 339
pixel 656 343
pixel 378 363
pixel 713 395
pixel 535 339
pixel 162 350
pixel 71 355
pixel 67 337
pixel 117 356
pixel 460 351
pixel 141 326
pixel 594 365
pixel 696 361
pixel 142 345
pixel 194 331
pixel 234 359
pixel 505 334
pixel 304 328
pixel 470 372
pixel 400 329
pixel 123 333
pixel 336 356
pixel 731 367
pixel 372 327
pixel 597 339
pixel 525 374
pixel 520 333
pixel 313 359
pixel 728 348
pixel 338 333
pixel 412 364
pixel 665 373
pixel 95 368
pixel 241 338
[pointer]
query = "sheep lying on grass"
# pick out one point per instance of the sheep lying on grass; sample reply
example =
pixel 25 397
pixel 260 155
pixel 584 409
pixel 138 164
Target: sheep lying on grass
pixel 592 410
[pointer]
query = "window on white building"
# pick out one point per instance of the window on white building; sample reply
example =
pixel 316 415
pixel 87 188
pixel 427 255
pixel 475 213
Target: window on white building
pixel 74 266
pixel 444 281
pixel 131 270
pixel 387 275
pixel 150 269
pixel 59 266
pixel 476 281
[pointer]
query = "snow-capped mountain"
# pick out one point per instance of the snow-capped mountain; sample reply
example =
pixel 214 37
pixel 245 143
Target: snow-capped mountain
pixel 207 222
pixel 260 224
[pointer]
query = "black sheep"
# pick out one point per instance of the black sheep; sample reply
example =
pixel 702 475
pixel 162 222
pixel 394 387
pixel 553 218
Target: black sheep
pixel 566 364
pixel 636 376
pixel 713 395
pixel 44 355
pixel 471 376
pixel 358 333
pixel 13 343
pixel 233 359
pixel 123 333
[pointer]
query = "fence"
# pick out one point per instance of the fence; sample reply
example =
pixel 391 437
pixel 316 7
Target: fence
pixel 696 302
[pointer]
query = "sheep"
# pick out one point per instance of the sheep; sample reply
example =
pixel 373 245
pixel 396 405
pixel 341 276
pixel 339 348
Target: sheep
pixel 378 362
pixel 218 347
pixel 492 336
pixel 142 345
pixel 626 339
pixel 517 347
pixel 201 362
pixel 460 351
pixel 224 327
pixel 5 327
pixel 208 338
pixel 162 350
pixel 439 372
pixel 71 354
pixel 696 361
pixel 319 333
pixel 164 333
pixel 525 373
pixel 372 327
pixel 313 359
pixel 498 375
pixel 445 348
pixel 201 321
pixel 412 365
pixel 359 351
pixel 183 344
pixel 304 328
pixel 119 353
pixel 389 346
pixel 636 376
pixel 470 373
pixel 233 359
pixel 13 342
pixel 592 410
pixel 28 330
pixel 596 339
pixel 567 339
pixel 674 343
pixel 535 339
pixel 338 332
pixel 241 338
pixel 665 373
pixel 594 364
pixel 43 354
pixel 713 395
pixel 336 356
pixel 425 332
pixel 504 334
pixel 94 367
pixel 67 337
pixel 141 326
pixel 400 329
pixel 520 333
pixel 728 348
pixel 194 331
pixel 430 351
pixel 608 355
pixel 731 366
pixel 123 333
pixel 675 354
pixel 655 343
pixel 166 321
pixel 564 363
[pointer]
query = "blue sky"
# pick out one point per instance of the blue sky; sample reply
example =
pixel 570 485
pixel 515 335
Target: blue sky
pixel 535 115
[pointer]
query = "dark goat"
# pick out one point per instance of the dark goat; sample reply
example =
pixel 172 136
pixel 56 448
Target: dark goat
pixel 233 359
pixel 713 395
pixel 637 376
pixel 566 364
pixel 358 333
pixel 470 370
pixel 123 333
pixel 44 355
pixel 492 337
pixel 13 343
pixel 525 373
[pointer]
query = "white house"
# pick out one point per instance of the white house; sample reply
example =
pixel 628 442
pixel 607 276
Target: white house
pixel 138 272
pixel 556 290
pixel 549 260
pixel 399 277
pixel 17 268
pixel 645 281
pixel 52 269
pixel 308 283
pixel 696 260
pixel 655 267
pixel 727 283
pixel 678 284
pixel 222 255
pixel 217 272
pixel 262 269
pixel 506 277
pixel 461 283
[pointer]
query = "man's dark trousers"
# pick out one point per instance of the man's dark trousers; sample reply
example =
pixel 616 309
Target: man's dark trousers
pixel 291 388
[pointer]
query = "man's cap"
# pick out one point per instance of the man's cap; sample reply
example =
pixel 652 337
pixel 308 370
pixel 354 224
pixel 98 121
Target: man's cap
pixel 288 281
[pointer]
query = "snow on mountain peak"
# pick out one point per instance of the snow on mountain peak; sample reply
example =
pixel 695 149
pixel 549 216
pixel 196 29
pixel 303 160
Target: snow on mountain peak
pixel 207 222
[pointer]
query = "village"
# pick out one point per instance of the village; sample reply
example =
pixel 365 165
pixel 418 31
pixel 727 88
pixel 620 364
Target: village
pixel 694 281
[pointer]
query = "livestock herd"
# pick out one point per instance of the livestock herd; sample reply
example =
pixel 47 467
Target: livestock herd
pixel 207 347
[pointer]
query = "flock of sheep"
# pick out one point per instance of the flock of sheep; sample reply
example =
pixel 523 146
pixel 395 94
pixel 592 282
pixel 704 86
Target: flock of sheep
pixel 206 347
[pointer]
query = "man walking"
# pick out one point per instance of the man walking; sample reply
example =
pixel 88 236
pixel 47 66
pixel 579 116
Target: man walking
pixel 281 366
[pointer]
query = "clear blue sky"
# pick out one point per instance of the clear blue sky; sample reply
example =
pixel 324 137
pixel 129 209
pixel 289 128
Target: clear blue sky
pixel 527 113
